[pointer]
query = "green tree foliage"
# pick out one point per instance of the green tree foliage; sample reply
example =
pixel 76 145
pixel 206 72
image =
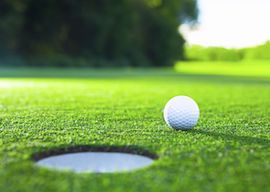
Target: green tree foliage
pixel 11 21
pixel 96 32
pixel 200 53
pixel 261 52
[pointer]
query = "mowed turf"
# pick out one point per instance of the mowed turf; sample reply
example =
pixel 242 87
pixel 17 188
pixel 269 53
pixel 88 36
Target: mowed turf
pixel 229 149
pixel 243 68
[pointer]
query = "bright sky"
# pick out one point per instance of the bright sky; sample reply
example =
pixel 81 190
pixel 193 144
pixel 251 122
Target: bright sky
pixel 231 23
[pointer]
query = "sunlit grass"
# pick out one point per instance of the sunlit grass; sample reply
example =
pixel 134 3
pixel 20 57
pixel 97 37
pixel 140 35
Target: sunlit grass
pixel 228 149
pixel 244 68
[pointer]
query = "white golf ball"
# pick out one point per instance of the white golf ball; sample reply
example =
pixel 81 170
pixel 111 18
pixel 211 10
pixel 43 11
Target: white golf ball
pixel 181 113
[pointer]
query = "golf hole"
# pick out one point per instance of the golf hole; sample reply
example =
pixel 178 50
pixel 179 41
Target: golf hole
pixel 96 161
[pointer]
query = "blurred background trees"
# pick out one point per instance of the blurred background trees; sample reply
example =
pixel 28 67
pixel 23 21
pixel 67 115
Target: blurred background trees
pixel 200 53
pixel 93 33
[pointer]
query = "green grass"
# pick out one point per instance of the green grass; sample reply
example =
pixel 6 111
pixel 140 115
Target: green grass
pixel 228 150
pixel 243 68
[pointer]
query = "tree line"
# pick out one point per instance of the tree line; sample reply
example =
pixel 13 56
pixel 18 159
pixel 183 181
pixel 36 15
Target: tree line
pixel 200 53
pixel 96 33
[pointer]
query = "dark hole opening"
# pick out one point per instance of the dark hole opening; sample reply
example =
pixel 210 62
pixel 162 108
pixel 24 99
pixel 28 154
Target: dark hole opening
pixel 84 148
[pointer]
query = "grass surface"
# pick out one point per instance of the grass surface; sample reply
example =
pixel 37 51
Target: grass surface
pixel 228 150
pixel 243 68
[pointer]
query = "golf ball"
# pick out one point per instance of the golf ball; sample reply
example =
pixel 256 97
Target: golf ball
pixel 181 113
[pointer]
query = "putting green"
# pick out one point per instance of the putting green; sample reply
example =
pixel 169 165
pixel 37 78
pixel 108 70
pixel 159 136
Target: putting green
pixel 228 150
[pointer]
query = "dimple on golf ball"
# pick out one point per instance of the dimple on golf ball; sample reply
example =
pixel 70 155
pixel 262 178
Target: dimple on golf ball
pixel 181 113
